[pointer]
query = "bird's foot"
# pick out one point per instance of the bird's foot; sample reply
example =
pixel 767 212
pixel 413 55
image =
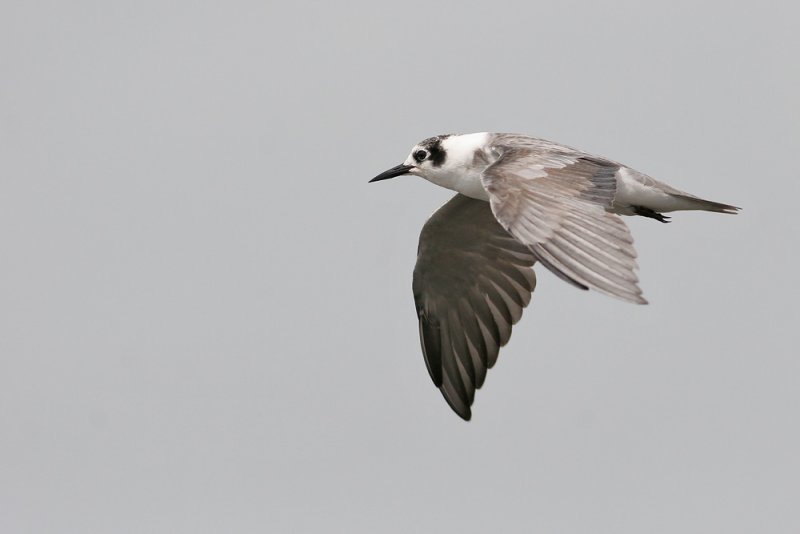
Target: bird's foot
pixel 647 212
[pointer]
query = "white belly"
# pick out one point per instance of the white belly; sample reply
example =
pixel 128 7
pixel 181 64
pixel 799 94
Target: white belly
pixel 644 192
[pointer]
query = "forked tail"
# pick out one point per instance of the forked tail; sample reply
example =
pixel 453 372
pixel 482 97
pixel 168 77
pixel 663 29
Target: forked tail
pixel 694 203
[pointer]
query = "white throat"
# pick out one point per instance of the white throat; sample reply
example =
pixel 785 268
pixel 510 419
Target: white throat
pixel 461 170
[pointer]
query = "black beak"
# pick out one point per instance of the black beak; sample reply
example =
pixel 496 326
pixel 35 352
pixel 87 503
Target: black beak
pixel 391 173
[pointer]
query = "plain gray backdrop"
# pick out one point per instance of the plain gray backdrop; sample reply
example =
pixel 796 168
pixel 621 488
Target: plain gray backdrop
pixel 206 319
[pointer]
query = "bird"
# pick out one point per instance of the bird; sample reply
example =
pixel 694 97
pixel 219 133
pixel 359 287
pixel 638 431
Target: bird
pixel 519 200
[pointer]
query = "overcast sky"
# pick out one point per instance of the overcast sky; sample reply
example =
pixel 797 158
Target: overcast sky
pixel 206 319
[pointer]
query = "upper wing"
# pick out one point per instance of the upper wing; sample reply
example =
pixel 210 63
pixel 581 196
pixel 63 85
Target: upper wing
pixel 555 200
pixel 471 281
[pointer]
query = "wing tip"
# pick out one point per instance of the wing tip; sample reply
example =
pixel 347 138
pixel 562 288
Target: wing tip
pixel 635 298
pixel 461 409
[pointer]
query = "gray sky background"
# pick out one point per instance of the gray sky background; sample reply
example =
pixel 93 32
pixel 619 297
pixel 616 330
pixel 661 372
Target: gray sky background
pixel 206 319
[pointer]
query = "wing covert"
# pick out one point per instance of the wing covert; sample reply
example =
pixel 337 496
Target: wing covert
pixel 556 201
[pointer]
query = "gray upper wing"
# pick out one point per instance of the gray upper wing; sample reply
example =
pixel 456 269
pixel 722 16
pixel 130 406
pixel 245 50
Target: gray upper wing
pixel 555 200
pixel 471 282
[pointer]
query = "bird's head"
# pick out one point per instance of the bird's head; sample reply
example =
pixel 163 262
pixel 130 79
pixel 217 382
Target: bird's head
pixel 438 158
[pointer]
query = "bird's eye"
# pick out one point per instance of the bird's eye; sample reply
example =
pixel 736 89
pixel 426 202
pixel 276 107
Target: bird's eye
pixel 420 155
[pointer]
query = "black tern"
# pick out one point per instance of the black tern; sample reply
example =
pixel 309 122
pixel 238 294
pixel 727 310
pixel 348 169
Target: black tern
pixel 520 200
